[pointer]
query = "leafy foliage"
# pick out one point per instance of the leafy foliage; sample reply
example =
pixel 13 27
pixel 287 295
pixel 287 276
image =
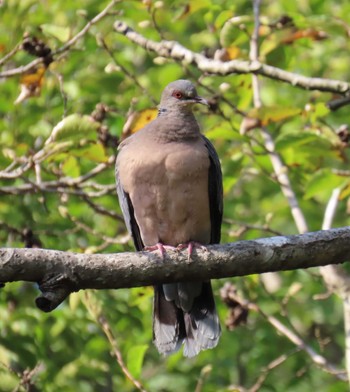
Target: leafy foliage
pixel 67 201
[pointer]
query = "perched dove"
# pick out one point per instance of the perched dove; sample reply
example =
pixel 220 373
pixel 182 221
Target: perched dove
pixel 169 186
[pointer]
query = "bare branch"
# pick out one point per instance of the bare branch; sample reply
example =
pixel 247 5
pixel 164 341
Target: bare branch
pixel 22 69
pixel 341 173
pixel 10 54
pixel 272 365
pixel 281 172
pixel 338 103
pixel 59 187
pixel 279 168
pixel 336 278
pixel 15 173
pixel 102 321
pixel 63 185
pixel 175 51
pixel 28 67
pixel 86 28
pixel 228 292
pixel 60 273
pixel 331 209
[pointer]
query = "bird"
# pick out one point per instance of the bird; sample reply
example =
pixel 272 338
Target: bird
pixel 169 185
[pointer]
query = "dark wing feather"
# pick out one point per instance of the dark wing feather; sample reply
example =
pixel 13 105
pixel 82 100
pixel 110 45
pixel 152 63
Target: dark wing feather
pixel 168 323
pixel 215 192
pixel 202 323
pixel 128 213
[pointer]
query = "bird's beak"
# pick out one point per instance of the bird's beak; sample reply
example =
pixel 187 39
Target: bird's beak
pixel 201 100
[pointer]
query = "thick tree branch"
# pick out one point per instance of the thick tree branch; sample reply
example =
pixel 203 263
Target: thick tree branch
pixel 172 49
pixel 59 273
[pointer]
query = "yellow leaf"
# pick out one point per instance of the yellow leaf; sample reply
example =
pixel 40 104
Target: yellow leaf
pixel 138 120
pixel 233 52
pixel 271 114
pixel 31 84
pixel 34 77
pixel 196 5
pixel 345 192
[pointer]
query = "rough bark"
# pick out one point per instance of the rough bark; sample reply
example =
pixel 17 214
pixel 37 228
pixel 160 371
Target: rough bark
pixel 172 49
pixel 60 273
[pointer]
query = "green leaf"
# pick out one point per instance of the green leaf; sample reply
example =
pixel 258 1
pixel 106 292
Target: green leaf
pixel 135 359
pixel 57 150
pixel 314 112
pixel 74 126
pixel 94 152
pixel 59 32
pixel 70 167
pixel 233 31
pixel 295 139
pixel 196 5
pixel 322 182
pixel 220 132
pixel 222 18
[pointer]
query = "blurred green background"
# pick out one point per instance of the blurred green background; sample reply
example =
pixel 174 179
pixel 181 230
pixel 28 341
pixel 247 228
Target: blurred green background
pixel 68 350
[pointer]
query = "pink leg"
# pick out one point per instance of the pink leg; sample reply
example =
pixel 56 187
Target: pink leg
pixel 190 246
pixel 159 247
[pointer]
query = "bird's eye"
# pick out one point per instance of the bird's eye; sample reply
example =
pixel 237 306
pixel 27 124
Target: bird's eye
pixel 177 94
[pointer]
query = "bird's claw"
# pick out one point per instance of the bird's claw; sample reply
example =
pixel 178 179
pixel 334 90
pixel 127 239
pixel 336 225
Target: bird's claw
pixel 161 248
pixel 190 246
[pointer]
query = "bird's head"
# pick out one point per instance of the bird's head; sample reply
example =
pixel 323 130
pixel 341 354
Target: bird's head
pixel 180 95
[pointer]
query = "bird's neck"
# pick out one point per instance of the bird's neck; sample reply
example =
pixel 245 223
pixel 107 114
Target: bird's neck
pixel 180 124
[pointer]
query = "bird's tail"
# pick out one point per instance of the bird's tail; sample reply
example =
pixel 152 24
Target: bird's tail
pixel 197 328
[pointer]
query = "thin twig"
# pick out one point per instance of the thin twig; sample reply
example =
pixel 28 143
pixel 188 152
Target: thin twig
pixel 318 359
pixel 272 365
pixel 28 67
pixel 60 188
pixel 86 28
pixel 152 11
pixel 338 103
pixel 61 185
pixel 331 209
pixel 279 168
pixel 18 172
pixel 341 173
pixel 103 211
pixel 106 328
pixel 337 279
pixel 202 377
pixel 59 77
pixel 248 226
pixel 126 72
pixel 281 173
pixel 123 239
pixel 10 54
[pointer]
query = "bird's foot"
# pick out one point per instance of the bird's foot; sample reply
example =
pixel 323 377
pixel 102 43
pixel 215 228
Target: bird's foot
pixel 190 246
pixel 161 248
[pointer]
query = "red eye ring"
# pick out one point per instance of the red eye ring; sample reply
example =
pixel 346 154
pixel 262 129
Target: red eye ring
pixel 177 94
